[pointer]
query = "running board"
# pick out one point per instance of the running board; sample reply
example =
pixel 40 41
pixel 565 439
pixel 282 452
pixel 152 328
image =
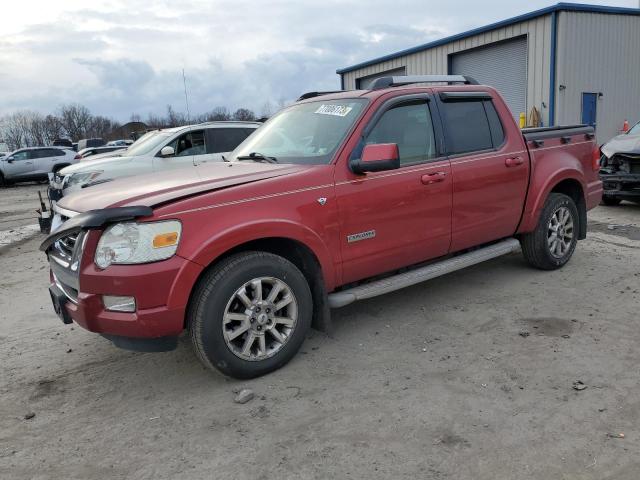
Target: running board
pixel 406 279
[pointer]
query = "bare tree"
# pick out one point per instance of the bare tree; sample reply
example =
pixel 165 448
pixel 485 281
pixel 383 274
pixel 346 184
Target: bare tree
pixel 76 120
pixel 53 128
pixel 175 119
pixel 219 114
pixel 244 114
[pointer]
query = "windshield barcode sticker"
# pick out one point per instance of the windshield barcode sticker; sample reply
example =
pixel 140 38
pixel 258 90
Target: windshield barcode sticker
pixel 337 110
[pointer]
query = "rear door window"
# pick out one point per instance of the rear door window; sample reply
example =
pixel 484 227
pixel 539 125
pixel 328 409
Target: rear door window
pixel 221 140
pixel 466 127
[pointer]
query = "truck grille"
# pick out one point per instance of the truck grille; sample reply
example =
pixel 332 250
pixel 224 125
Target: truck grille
pixel 66 245
pixel 64 258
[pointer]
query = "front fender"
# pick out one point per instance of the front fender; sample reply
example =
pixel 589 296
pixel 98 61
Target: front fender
pixel 232 237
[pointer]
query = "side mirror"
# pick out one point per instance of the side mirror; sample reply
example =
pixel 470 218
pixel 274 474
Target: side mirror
pixel 10 159
pixel 376 158
pixel 167 151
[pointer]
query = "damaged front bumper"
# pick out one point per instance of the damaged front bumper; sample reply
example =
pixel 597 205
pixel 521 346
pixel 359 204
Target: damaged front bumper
pixel 620 176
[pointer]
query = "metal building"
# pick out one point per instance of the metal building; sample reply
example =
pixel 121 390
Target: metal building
pixel 574 63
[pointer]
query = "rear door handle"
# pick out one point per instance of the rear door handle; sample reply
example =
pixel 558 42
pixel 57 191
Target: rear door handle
pixel 429 178
pixel 514 161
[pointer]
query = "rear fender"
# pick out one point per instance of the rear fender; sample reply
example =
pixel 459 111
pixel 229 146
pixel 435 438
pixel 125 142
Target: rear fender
pixel 539 190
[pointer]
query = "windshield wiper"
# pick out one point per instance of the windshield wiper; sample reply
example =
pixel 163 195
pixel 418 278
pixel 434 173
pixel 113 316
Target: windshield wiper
pixel 258 157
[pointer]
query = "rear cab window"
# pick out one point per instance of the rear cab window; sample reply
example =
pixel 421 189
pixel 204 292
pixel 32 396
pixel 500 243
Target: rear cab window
pixel 222 140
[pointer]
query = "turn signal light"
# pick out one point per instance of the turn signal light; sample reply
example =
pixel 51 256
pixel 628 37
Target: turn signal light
pixel 165 240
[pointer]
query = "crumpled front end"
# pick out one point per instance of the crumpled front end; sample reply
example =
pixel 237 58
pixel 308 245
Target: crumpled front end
pixel 620 175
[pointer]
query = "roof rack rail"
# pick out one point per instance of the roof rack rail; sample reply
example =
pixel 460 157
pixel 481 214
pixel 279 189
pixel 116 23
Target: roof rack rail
pixel 304 96
pixel 385 82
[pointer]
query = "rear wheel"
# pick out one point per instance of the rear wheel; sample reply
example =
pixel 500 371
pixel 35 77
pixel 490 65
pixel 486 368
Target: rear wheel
pixel 552 243
pixel 250 314
pixel 3 182
pixel 610 201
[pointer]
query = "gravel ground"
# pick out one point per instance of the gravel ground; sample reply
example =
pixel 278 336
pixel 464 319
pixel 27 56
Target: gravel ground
pixel 469 376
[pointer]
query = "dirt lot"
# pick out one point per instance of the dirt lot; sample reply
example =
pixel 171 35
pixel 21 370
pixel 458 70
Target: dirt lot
pixel 469 376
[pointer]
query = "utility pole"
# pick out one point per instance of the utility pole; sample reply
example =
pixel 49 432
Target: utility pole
pixel 186 99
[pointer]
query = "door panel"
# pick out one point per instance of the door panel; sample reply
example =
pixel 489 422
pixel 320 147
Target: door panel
pixel 396 218
pixel 402 220
pixel 22 165
pixel 490 183
pixel 488 196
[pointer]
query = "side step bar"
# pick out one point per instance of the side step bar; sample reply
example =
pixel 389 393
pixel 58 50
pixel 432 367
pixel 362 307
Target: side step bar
pixel 406 279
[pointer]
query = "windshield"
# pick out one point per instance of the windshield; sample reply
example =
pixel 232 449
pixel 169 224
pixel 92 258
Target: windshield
pixel 147 143
pixel 306 133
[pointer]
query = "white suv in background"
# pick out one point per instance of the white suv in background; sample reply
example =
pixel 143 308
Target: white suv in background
pixel 155 151
pixel 27 164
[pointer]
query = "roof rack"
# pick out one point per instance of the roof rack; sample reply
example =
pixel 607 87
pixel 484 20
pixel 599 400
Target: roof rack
pixel 385 82
pixel 304 96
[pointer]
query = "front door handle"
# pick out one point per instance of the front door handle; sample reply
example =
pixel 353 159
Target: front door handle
pixel 514 161
pixel 429 178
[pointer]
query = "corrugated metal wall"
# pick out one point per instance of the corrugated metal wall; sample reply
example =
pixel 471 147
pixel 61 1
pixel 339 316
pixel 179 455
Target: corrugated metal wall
pixel 435 60
pixel 598 53
pixel 503 65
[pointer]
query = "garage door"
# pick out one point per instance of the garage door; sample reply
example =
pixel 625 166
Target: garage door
pixel 502 66
pixel 363 83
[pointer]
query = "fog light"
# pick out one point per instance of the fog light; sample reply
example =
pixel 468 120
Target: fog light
pixel 117 303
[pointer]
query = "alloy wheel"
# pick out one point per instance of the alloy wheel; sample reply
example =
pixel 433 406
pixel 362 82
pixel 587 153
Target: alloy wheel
pixel 259 318
pixel 560 232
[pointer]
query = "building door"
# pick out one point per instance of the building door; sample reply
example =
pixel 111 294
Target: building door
pixel 589 106
pixel 501 65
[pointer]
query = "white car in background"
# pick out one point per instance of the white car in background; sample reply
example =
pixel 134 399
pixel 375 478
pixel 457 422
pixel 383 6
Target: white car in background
pixel 156 151
pixel 35 163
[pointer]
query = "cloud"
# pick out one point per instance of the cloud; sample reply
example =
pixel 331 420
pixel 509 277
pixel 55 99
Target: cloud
pixel 126 56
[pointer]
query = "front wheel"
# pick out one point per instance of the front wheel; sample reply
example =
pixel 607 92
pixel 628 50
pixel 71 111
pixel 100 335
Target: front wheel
pixel 250 314
pixel 552 243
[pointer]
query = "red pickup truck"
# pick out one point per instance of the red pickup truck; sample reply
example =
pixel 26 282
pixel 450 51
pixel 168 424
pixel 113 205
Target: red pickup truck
pixel 339 197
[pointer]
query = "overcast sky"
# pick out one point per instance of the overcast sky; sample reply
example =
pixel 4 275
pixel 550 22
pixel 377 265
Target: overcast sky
pixel 120 57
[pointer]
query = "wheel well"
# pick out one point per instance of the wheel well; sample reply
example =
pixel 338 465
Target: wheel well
pixel 573 189
pixel 303 258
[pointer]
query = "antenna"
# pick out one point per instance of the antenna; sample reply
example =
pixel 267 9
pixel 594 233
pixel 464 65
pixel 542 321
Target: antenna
pixel 186 99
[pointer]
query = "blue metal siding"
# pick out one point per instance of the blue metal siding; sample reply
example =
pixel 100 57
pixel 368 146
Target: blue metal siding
pixel 552 70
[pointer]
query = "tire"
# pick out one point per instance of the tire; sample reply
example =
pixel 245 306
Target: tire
pixel 610 201
pixel 222 322
pixel 3 182
pixel 538 247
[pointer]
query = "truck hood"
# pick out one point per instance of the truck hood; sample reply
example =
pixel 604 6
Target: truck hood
pixel 622 144
pixel 97 164
pixel 156 188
